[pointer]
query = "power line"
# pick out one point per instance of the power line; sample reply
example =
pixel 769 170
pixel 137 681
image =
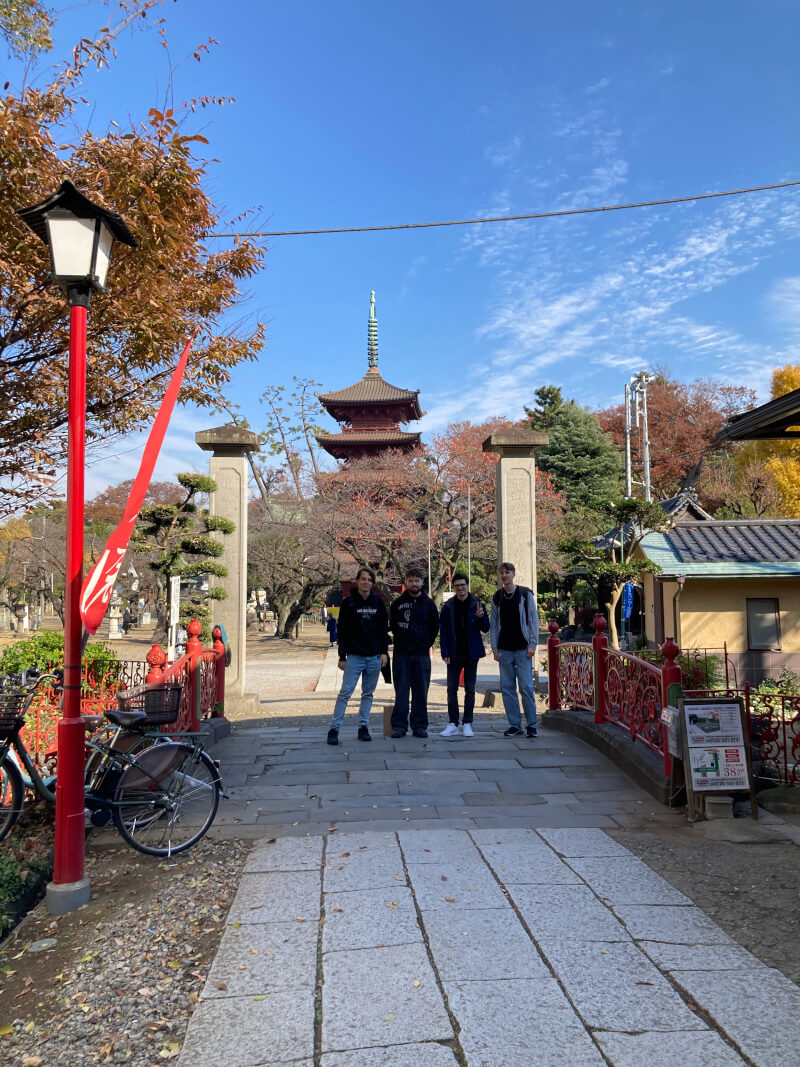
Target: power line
pixel 512 218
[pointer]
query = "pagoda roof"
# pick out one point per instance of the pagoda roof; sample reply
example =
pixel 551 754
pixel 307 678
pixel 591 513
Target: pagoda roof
pixel 341 444
pixel 372 389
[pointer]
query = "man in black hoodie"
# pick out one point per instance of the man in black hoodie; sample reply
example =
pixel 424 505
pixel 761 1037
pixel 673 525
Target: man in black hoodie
pixel 414 622
pixel 363 650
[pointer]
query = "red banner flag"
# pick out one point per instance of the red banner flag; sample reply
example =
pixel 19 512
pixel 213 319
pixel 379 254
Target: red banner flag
pixel 100 582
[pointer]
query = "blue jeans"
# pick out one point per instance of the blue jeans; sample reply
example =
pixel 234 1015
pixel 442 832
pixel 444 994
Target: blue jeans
pixel 367 668
pixel 412 675
pixel 516 668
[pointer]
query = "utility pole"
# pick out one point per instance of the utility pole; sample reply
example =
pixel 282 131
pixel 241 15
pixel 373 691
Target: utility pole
pixel 637 390
pixel 628 490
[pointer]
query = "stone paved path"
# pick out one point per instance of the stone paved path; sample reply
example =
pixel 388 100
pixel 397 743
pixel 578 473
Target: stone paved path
pixel 430 903
pixel 494 946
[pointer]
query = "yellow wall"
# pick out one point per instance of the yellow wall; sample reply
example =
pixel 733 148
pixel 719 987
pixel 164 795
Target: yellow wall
pixel 713 611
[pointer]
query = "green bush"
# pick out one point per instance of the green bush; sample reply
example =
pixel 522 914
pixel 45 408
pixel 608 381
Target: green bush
pixel 46 649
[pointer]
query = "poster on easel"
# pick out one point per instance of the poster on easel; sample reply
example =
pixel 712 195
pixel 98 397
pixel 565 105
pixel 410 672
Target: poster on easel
pixel 716 750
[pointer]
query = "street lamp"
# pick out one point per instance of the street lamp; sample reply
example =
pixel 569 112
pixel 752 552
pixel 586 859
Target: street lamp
pixel 79 235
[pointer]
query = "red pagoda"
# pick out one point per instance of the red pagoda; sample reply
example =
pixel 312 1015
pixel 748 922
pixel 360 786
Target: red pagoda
pixel 371 410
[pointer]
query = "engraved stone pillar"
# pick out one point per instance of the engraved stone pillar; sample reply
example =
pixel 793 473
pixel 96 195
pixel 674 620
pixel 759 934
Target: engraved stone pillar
pixel 229 446
pixel 516 499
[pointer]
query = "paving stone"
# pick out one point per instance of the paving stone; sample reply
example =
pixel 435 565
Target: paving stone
pixel 437 846
pixel 549 816
pixel 614 986
pixel 683 958
pixel 358 1010
pixel 760 1012
pixel 519 856
pixel 370 918
pixel 264 898
pixel 359 789
pixel 279 816
pixel 361 870
pixel 288 854
pixel 579 843
pixel 417 1055
pixel 417 776
pixel 242 1032
pixel 455 786
pixel 429 763
pixel 519 1022
pixel 502 799
pixel 498 812
pixel 566 910
pixel 304 771
pixel 363 842
pixel 265 792
pixel 295 777
pixel 481 945
pixel 688 1049
pixel 459 887
pixel 538 758
pixel 579 803
pixel 370 800
pixel 675 925
pixel 626 880
pixel 404 824
pixel 262 957
pixel 398 812
pixel 247 815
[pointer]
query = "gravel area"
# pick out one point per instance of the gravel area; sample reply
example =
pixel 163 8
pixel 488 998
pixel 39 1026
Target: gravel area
pixel 116 981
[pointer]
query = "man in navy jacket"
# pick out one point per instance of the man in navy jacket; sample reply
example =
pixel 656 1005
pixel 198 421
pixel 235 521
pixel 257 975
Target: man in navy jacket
pixel 464 618
pixel 414 622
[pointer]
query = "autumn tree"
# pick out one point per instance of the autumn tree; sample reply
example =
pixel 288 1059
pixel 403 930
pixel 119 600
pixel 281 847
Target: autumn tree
pixel 154 173
pixel 25 26
pixel 683 423
pixel 739 484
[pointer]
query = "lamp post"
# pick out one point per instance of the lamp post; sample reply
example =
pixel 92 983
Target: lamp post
pixel 79 235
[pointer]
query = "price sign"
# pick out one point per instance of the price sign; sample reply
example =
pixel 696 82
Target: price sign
pixel 716 749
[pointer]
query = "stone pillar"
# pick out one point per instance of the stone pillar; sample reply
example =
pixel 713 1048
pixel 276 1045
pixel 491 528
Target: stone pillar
pixel 516 499
pixel 229 446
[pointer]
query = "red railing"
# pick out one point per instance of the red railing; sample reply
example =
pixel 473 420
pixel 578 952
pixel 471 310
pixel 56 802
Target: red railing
pixel 201 671
pixel 618 687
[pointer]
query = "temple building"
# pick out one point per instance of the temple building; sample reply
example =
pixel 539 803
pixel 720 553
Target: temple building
pixel 371 410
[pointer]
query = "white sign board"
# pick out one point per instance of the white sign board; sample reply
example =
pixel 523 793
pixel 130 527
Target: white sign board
pixel 715 745
pixel 174 599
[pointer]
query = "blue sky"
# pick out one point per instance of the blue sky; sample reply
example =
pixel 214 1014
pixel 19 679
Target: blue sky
pixel 351 113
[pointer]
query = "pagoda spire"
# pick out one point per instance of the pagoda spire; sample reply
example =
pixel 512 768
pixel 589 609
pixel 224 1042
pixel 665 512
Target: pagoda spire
pixel 372 334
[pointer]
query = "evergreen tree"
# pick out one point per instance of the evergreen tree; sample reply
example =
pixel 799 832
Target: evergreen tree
pixel 581 460
pixel 178 539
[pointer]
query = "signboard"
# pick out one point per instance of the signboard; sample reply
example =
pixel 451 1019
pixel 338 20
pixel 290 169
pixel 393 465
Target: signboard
pixel 716 750
pixel 174 599
pixel 627 600
pixel 671 717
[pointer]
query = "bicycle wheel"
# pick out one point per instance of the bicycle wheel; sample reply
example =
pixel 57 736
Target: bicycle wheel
pixel 166 799
pixel 12 793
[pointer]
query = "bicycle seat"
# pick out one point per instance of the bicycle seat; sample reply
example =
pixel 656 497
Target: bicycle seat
pixel 127 719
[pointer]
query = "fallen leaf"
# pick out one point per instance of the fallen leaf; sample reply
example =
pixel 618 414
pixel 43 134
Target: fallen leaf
pixel 416 983
pixel 451 900
pixel 388 1018
pixel 221 985
pixel 391 904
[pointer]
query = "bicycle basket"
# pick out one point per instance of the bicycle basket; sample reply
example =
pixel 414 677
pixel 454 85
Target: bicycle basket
pixel 160 701
pixel 11 706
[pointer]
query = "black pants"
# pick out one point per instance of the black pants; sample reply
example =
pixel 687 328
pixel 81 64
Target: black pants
pixel 412 676
pixel 454 669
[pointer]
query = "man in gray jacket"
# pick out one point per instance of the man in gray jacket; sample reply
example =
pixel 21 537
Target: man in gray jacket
pixel 514 631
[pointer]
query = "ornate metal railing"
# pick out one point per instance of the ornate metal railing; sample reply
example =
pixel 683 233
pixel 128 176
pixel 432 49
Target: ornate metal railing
pixel 633 697
pixel 576 675
pixel 618 687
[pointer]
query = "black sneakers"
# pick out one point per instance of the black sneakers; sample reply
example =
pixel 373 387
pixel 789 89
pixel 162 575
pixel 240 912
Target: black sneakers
pixel 530 731
pixel 420 733
pixel 363 734
pixel 397 732
pixel 513 731
pixel 333 736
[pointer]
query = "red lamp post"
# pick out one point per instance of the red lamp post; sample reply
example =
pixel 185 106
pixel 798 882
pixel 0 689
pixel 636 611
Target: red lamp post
pixel 79 235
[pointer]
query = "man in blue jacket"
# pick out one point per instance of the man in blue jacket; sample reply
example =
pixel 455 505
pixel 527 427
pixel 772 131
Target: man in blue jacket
pixel 414 622
pixel 463 620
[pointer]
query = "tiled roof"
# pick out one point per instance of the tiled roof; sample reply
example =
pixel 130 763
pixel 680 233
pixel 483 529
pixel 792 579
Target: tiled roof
pixel 371 389
pixel 735 548
pixel 383 437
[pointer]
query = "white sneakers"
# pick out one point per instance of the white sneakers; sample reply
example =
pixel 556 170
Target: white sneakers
pixel 451 730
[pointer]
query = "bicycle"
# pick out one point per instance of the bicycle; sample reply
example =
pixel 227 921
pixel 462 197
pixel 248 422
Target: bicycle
pixel 162 791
